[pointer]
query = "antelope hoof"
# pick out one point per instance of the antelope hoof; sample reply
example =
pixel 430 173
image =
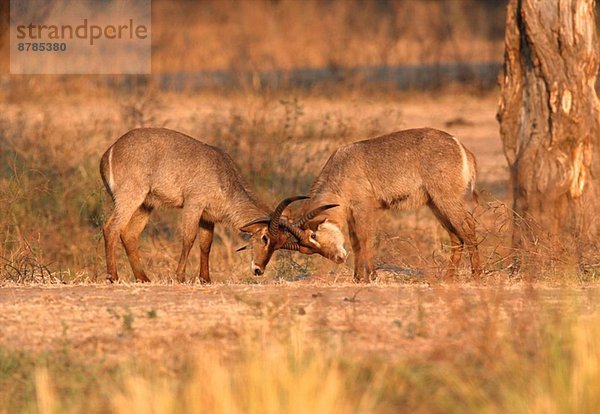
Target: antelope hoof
pixel 205 280
pixel 111 278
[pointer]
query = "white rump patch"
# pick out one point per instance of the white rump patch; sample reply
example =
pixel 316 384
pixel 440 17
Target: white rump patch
pixel 111 179
pixel 466 171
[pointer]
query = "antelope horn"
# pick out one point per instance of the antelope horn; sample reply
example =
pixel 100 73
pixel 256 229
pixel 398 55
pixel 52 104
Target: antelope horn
pixel 274 222
pixel 291 246
pixel 294 230
pixel 297 247
pixel 264 220
pixel 303 221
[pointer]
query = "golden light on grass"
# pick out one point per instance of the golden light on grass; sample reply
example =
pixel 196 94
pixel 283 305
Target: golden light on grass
pixel 291 377
pixel 568 378
pixel 432 350
pixel 302 378
pixel 44 392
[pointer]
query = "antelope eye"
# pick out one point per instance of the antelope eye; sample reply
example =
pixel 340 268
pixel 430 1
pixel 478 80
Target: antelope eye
pixel 265 239
pixel 313 236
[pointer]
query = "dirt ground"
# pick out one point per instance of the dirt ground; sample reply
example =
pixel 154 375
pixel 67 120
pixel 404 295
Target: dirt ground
pixel 114 322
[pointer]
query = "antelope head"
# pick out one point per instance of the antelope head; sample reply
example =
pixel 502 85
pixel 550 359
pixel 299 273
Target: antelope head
pixel 316 235
pixel 267 235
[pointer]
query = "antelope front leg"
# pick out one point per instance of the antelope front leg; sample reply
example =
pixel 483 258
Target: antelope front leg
pixel 360 230
pixel 356 250
pixel 206 238
pixel 189 229
pixel 369 266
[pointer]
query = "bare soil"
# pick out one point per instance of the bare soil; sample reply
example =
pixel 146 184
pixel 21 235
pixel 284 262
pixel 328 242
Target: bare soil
pixel 114 322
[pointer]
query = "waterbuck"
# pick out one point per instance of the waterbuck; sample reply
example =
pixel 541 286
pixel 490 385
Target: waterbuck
pixel 152 167
pixel 402 170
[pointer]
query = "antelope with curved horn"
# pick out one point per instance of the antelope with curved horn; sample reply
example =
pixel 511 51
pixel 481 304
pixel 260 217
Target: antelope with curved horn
pixel 293 228
pixel 152 167
pixel 402 170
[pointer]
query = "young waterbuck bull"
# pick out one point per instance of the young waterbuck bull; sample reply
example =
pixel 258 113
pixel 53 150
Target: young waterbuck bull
pixel 402 170
pixel 153 167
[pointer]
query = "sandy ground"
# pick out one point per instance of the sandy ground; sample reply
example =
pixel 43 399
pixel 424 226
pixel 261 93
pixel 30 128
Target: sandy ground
pixel 154 320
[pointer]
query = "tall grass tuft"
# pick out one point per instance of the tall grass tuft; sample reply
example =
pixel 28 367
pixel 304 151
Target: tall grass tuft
pixel 560 374
pixel 273 379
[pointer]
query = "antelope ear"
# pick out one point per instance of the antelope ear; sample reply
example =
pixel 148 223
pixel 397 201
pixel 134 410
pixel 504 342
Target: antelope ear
pixel 314 225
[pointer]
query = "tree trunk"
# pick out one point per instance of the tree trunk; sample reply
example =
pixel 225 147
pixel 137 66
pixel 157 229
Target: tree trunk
pixel 549 126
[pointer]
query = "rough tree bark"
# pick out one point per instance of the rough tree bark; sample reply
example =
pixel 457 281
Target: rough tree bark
pixel 549 124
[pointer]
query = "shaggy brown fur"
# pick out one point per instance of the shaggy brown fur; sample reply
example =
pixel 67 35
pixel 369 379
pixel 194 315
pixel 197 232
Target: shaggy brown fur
pixel 402 170
pixel 153 167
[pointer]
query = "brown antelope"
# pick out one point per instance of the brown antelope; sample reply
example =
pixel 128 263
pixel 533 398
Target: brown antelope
pixel 153 167
pixel 402 170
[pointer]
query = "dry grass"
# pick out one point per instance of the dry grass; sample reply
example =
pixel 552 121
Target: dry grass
pixel 299 347
pixel 53 202
pixel 262 35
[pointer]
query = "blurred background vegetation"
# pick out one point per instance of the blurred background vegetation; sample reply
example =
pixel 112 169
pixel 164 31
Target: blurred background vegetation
pixel 268 35
pixel 277 84
pixel 232 35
